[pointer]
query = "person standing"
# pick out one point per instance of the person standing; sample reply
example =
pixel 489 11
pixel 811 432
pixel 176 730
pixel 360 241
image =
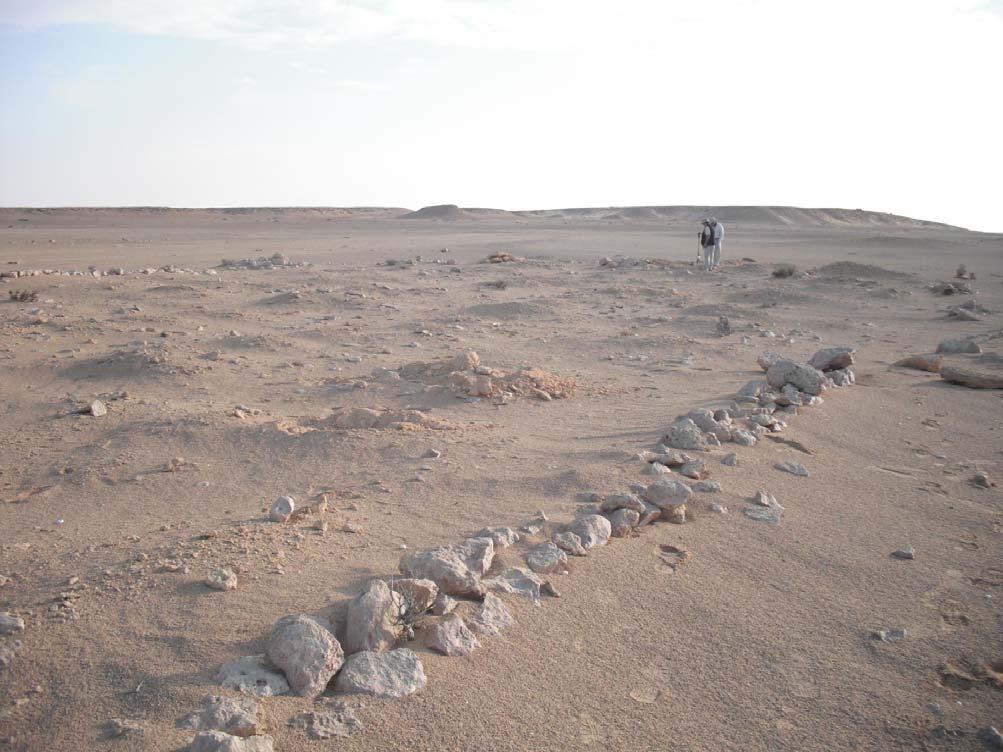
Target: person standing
pixel 716 235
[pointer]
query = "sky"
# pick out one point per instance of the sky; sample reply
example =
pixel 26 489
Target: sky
pixel 886 105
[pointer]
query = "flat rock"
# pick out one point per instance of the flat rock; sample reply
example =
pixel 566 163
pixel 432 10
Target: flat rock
pixel 306 652
pixel 117 728
pixel 221 579
pixel 694 470
pixel 958 346
pixel 623 521
pixel 373 619
pixel 451 636
pixel 832 358
pixel 664 493
pixel 592 530
pixel 971 379
pixel 614 502
pixel 456 568
pixel 392 674
pixel 570 543
pixel 516 581
pixel 766 508
pixel 340 723
pixel 547 558
pixel 253 675
pixel 218 741
pixel 889 635
pixel 793 468
pixel 234 715
pixel 503 537
pixel 282 509
pixel 492 617
pixel 930 362
pixel 904 553
pixel 707 486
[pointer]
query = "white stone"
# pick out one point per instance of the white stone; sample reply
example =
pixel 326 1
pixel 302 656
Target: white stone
pixel 253 675
pixel 396 673
pixel 592 530
pixel 451 636
pixel 372 620
pixel 306 652
pixel 492 617
pixel 455 568
pixel 547 558
pixel 234 715
pixel 282 509
pixel 221 579
pixel 569 542
pixel 218 741
pixel 623 521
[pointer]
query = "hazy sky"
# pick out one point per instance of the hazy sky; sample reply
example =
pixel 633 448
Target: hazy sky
pixel 890 105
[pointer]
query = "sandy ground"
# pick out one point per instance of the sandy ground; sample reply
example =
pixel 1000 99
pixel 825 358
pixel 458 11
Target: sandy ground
pixel 762 641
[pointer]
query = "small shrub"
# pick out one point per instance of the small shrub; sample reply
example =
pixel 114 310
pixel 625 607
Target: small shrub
pixel 23 296
pixel 784 270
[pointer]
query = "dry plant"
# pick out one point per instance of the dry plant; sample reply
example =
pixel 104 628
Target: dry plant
pixel 784 270
pixel 23 296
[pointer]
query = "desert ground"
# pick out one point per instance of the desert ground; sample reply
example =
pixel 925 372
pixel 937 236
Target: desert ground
pixel 331 373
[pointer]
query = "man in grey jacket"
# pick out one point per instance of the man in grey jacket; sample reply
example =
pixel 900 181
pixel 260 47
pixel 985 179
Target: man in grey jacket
pixel 710 239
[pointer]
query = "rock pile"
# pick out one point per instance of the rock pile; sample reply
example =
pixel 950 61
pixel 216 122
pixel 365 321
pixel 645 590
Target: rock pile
pixel 275 261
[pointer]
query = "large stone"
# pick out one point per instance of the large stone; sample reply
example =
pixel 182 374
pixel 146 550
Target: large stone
pixel 218 741
pixel 664 493
pixel 234 715
pixel 702 418
pixel 451 636
pixel 253 675
pixel 492 617
pixel 456 568
pixel 927 362
pixel 569 542
pixel 10 624
pixel 971 379
pixel 306 652
pixel 373 621
pixel 959 346
pixel 685 434
pixel 547 558
pixel 592 530
pixel 623 521
pixel 282 509
pixel 622 501
pixel 392 674
pixel 503 537
pixel 804 377
pixel 516 581
pixel 832 358
pixel 421 594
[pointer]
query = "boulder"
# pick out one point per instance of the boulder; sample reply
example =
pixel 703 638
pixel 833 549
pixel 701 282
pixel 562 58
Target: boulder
pixel 503 537
pixel 234 715
pixel 456 568
pixel 392 674
pixel 971 379
pixel 959 346
pixel 547 558
pixel 492 617
pixel 306 652
pixel 930 362
pixel 666 493
pixel 451 636
pixel 218 741
pixel 253 675
pixel 282 509
pixel 339 724
pixel 685 434
pixel 832 358
pixel 614 502
pixel 804 377
pixel 373 619
pixel 443 604
pixel 570 543
pixel 592 530
pixel 623 521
